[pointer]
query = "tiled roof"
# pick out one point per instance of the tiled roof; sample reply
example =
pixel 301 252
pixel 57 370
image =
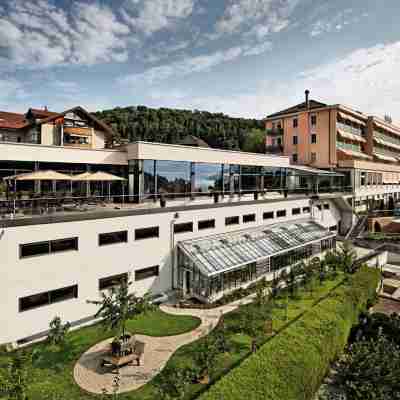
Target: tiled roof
pixel 10 120
pixel 39 113
pixel 297 108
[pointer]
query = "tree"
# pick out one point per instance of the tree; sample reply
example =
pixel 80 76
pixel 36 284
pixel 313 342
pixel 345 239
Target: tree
pixel 117 306
pixel 346 256
pixel 173 382
pixel 58 331
pixel 254 141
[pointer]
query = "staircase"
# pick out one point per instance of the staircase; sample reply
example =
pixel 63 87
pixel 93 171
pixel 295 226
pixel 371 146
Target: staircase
pixel 358 228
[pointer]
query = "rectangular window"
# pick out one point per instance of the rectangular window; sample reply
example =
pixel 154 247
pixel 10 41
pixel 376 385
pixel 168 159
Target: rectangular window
pixel 326 206
pixel 232 220
pixel 147 233
pixel 51 246
pixel 295 140
pixel 113 237
pixel 294 157
pixel 313 120
pixel 206 224
pixel 268 215
pixel 46 298
pixel 319 207
pixel 313 138
pixel 111 281
pixel 296 211
pixel 183 227
pixel 249 218
pixel 295 122
pixel 333 228
pixel 145 273
pixel 281 213
pixel 313 157
pixel 306 210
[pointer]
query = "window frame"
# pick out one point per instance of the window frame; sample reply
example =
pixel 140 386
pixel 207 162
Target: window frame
pixel 282 212
pixel 296 211
pixel 149 229
pixel 249 218
pixel 120 277
pixel 154 267
pixel 183 224
pixel 51 250
pixel 232 220
pixel 271 215
pixel 125 232
pixel 204 221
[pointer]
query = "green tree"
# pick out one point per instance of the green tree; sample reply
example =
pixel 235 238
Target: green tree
pixel 346 256
pixel 118 305
pixel 254 141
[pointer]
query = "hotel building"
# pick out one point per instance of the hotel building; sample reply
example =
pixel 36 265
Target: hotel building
pixel 198 221
pixel 364 148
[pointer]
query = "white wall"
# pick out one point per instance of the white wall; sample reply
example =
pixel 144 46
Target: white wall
pixel 98 139
pixel 24 277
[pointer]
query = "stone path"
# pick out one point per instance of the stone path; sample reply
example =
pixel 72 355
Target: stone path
pixel 93 378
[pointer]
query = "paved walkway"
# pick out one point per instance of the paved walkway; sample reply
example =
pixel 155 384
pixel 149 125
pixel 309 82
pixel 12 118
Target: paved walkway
pixel 91 377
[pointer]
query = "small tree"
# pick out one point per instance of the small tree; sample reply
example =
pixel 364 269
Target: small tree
pixel 58 331
pixel 172 383
pixel 346 256
pixel 117 306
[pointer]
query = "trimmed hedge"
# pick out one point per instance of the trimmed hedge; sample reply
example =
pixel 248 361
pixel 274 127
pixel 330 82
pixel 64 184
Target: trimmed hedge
pixel 293 364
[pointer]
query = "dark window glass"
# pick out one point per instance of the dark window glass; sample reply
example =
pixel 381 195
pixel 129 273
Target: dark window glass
pixel 319 207
pixel 206 224
pixel 183 227
pixel 207 177
pixel 333 228
pixel 296 211
pixel 250 178
pixel 145 273
pixel 249 218
pixel 149 176
pixel 268 215
pixel 294 157
pixel 326 206
pixel 113 237
pixel 313 157
pixel 232 220
pixel 295 139
pixel 64 245
pixel 306 210
pixel 110 281
pixel 146 233
pixel 313 120
pixel 34 249
pixel 281 213
pixel 173 177
pixel 36 300
pixel 314 138
pixel 295 122
pixel 67 293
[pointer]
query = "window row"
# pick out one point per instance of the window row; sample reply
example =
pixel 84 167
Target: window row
pixel 71 292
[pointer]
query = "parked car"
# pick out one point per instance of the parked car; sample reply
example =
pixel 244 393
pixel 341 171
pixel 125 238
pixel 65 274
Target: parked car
pixel 158 298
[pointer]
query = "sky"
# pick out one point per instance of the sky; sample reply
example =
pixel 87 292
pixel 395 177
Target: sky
pixel 245 58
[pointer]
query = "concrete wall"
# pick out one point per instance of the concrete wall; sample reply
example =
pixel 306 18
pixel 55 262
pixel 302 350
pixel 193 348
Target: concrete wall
pixel 47 134
pixel 24 277
pixel 98 139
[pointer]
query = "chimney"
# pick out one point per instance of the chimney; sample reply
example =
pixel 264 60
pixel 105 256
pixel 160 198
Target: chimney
pixel 307 93
pixel 45 108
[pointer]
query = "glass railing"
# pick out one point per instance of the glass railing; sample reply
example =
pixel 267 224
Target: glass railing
pixel 385 152
pixel 349 129
pixel 387 138
pixel 349 146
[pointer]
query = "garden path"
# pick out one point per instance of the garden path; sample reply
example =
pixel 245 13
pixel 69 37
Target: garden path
pixel 93 378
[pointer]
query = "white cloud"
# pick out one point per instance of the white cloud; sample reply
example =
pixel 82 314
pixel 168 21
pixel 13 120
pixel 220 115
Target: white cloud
pixel 194 64
pixel 260 16
pixel 10 89
pixel 38 34
pixel 149 16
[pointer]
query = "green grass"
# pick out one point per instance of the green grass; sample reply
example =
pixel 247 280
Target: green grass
pixel 53 374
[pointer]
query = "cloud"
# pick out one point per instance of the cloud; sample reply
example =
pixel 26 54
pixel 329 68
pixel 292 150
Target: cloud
pixel 10 89
pixel 259 16
pixel 194 64
pixel 40 35
pixel 149 16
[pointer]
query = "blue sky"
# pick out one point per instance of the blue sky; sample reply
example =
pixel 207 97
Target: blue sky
pixel 241 57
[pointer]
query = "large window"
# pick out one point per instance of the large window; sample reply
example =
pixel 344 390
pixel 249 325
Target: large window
pixel 206 224
pixel 183 227
pixel 208 177
pixel 46 298
pixel 147 233
pixel 149 174
pixel 274 178
pixel 47 247
pixel 268 215
pixel 232 220
pixel 281 213
pixel 296 211
pixel 250 178
pixel 290 258
pixel 145 273
pixel 173 177
pixel 111 281
pixel 113 237
pixel 249 218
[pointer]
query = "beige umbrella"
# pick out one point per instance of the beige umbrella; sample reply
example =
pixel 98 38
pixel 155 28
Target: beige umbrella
pixel 48 175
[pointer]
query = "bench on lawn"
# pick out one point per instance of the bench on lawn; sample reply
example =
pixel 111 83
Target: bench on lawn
pixel 120 361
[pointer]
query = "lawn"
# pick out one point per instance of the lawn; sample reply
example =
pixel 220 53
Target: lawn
pixel 52 377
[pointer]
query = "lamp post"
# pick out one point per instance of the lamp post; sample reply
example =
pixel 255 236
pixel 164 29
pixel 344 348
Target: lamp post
pixel 172 223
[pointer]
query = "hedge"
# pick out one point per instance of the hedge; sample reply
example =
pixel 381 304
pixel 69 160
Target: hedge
pixel 293 364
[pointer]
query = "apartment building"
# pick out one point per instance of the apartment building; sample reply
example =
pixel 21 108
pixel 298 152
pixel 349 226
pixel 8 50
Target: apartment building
pixel 198 221
pixel 366 149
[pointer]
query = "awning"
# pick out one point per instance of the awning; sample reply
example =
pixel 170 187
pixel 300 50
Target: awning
pixel 216 254
pixel 385 158
pixel 387 128
pixel 385 143
pixel 48 175
pixel 353 153
pixel 98 177
pixel 351 136
pixel 313 171
pixel 350 118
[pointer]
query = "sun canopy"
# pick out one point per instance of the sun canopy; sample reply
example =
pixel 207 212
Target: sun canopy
pixel 351 136
pixel 220 253
pixel 48 175
pixel 98 177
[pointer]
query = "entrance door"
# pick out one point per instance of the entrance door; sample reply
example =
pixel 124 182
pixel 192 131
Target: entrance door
pixel 187 282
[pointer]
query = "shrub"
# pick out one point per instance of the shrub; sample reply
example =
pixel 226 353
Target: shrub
pixel 292 365
pixel 58 331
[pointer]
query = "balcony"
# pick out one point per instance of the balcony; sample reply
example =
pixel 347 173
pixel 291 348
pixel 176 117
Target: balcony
pixel 275 132
pixel 274 149
pixel 349 129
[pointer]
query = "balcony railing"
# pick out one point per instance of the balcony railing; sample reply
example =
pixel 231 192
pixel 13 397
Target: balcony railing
pixel 349 146
pixel 349 129
pixel 387 138
pixel 275 131
pixel 385 152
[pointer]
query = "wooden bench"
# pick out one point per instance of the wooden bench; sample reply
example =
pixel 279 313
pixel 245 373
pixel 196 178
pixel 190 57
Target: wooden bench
pixel 120 361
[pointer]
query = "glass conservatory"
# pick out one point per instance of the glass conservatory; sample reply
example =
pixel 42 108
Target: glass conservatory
pixel 212 266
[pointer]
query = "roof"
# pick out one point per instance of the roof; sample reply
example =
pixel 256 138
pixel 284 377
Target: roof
pixel 9 120
pixel 38 113
pixel 191 140
pixel 221 253
pixel 298 108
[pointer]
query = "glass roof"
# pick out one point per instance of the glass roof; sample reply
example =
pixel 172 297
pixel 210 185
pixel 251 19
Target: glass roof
pixel 220 253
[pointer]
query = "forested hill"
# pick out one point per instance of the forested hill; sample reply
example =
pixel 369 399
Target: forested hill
pixel 170 126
